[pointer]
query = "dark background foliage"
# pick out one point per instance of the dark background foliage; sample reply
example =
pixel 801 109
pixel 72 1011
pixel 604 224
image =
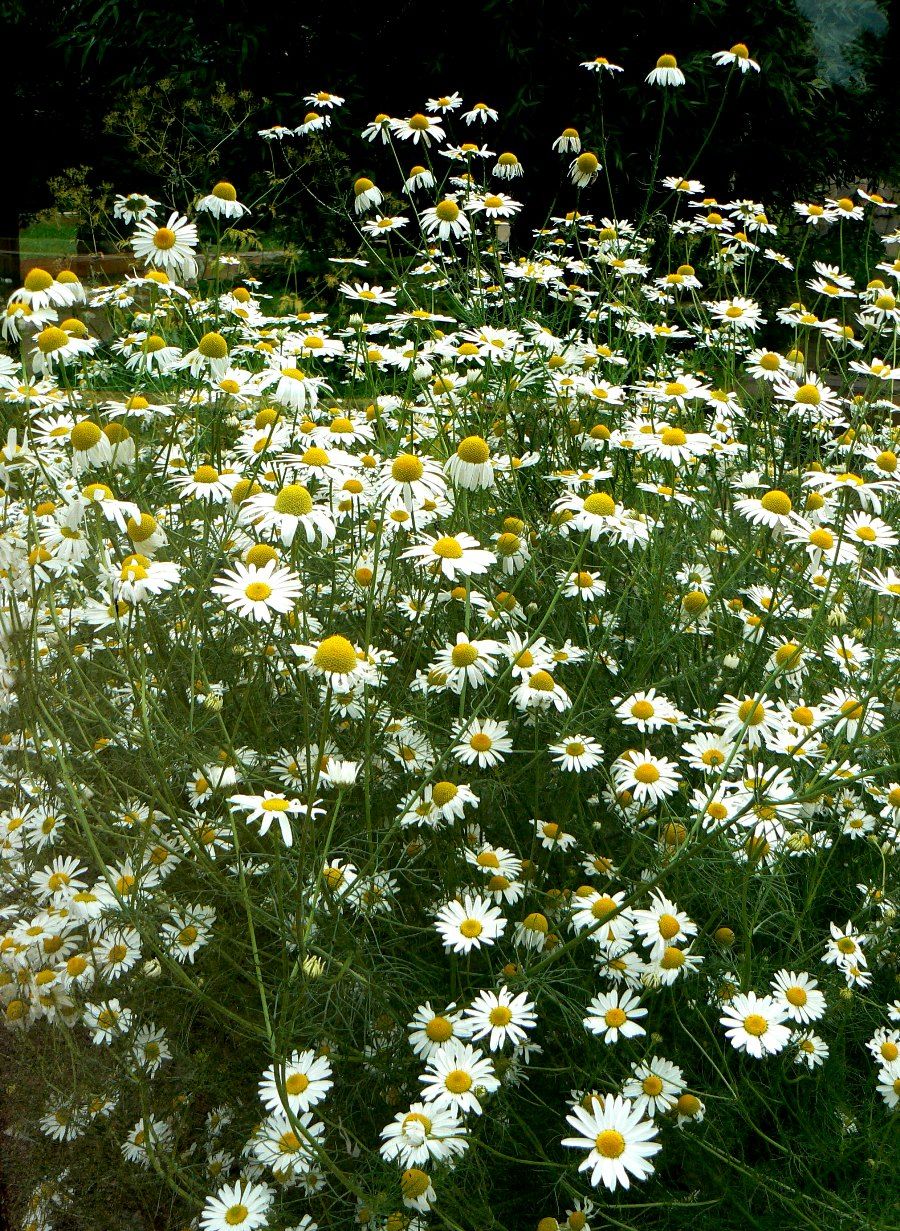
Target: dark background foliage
pixel 823 111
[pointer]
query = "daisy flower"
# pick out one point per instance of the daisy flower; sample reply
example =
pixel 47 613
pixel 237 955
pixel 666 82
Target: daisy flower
pixel 368 294
pixel 737 55
pixel 600 64
pixel 268 807
pixel 429 1031
pixel 500 1017
pixel 666 72
pixel 584 584
pixel 279 1145
pixel 259 593
pixel 654 1086
pixel 649 711
pixel 799 996
pixel 469 924
pixel 134 208
pixel 470 467
pixel 773 509
pixel 584 169
pixel 419 178
pixel 662 924
pixel 451 555
pixel 427 1132
pixel 480 113
pixel 445 220
pixel 243 1205
pixel 647 777
pixel 755 1024
pixel 412 480
pixel 207 483
pixel 298 1083
pixel 313 122
pixel 366 195
pixel 170 247
pixel 467 662
pixel 453 1075
pixel 286 511
pixel 418 128
pixel 615 1014
pixel 222 202
pixel 484 742
pixel 540 691
pixel 812 1050
pixel 568 142
pixel 576 753
pixel 754 719
pixel 845 947
pixel 619 1141
pixel 508 167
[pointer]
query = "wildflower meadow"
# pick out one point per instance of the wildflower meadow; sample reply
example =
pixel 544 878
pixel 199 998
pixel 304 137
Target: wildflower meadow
pixel 450 741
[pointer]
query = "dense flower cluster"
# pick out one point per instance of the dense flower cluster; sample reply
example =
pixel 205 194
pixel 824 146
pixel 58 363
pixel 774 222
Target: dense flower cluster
pixel 475 701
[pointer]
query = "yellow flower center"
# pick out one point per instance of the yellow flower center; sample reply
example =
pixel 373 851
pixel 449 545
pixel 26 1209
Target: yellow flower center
pixel 652 1085
pixel 751 712
pixel 224 191
pixel 599 504
pixel 500 1015
pixel 297 1083
pixel 336 656
pixel 777 502
pixel 464 654
pixel 458 1081
pixel 38 280
pixel 447 548
pixel 213 346
pixel 603 907
pixel 443 792
pixel 587 163
pixel 473 450
pixel 756 1024
pixel 294 500
pixel 666 61
pixel 258 591
pixel 796 996
pixel 542 681
pixel 668 926
pixel 51 339
pixel 236 1214
pixel 164 239
pixel 85 435
pixel 610 1143
pixel 447 210
pixel 615 1017
pixel 413 1183
pixel 673 436
pixel 439 1029
pixel 688 1105
pixel 206 474
pixel 695 602
pixel 646 773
